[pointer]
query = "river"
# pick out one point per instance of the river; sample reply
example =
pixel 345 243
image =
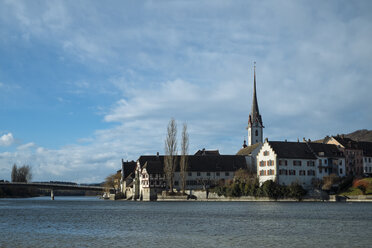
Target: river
pixel 90 222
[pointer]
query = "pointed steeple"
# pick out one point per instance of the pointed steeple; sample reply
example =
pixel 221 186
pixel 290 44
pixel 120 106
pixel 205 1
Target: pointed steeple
pixel 255 116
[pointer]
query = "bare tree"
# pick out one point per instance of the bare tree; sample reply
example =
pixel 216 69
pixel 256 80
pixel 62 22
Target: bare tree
pixel 14 173
pixel 184 157
pixel 170 153
pixel 21 174
pixel 112 181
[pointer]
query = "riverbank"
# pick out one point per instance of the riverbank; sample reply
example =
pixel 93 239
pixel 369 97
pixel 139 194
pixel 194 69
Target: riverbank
pixel 212 197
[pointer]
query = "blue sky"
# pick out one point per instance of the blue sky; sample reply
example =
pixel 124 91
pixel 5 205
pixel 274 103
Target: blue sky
pixel 86 83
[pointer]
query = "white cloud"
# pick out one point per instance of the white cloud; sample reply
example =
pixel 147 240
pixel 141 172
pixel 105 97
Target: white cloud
pixel 26 146
pixel 6 139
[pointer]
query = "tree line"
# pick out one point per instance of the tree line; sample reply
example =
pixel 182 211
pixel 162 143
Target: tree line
pixel 247 184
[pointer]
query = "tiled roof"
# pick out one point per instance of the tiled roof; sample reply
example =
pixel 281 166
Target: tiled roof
pixel 248 150
pixel 346 142
pixel 298 150
pixel 155 164
pixel 204 152
pixel 325 150
pixel 366 147
pixel 129 168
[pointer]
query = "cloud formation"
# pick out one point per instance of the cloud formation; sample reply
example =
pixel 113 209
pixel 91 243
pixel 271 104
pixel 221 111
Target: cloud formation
pixel 6 139
pixel 138 65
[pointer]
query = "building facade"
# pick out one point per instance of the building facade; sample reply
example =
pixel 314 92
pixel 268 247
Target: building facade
pixel 204 171
pixel 298 162
pixel 352 151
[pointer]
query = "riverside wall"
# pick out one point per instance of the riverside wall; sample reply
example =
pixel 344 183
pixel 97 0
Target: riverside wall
pixel 204 196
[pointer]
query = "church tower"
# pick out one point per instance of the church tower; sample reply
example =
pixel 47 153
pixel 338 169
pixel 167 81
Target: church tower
pixel 255 126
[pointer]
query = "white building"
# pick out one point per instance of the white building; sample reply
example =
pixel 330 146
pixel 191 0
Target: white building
pixel 301 162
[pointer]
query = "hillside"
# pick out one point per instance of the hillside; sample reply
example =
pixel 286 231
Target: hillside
pixel 360 135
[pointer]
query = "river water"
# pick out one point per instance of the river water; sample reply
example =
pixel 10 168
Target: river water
pixel 90 222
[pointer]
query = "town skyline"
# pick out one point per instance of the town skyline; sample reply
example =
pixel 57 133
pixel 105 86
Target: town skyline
pixel 80 92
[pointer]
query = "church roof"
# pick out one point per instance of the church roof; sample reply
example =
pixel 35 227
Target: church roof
pixel 248 150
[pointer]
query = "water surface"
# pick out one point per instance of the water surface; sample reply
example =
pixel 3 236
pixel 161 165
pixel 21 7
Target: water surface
pixel 90 222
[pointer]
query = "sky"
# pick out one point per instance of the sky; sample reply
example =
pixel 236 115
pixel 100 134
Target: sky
pixel 84 84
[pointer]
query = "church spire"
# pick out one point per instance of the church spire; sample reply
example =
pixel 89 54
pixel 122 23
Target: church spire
pixel 255 126
pixel 255 116
pixel 255 112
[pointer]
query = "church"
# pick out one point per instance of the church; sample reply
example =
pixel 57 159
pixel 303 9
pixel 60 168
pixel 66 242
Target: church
pixel 255 131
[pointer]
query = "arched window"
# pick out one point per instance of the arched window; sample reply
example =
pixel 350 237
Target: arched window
pixel 256 132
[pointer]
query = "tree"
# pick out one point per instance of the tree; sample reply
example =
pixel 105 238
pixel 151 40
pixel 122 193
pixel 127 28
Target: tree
pixel 14 173
pixel 21 174
pixel 170 153
pixel 296 191
pixel 112 181
pixel 184 158
pixel 362 188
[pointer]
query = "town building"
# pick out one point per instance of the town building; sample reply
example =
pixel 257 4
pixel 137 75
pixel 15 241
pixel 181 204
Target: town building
pixel 352 151
pixel 301 162
pixel 367 157
pixel 203 172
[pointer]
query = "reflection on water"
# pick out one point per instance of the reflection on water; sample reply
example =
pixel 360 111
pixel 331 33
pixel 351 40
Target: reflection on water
pixel 90 222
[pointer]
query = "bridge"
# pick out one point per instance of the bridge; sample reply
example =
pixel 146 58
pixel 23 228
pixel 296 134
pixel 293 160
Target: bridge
pixel 54 186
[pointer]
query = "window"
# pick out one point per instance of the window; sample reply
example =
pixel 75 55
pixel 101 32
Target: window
pixel 266 153
pixel 369 160
pixel 320 162
pixel 302 173
pixel 217 174
pixel 311 172
pixel 310 163
pixel 297 162
pixel 292 172
pixel 261 172
pixel 256 133
pixel 283 172
pixel 283 162
pixel 198 174
pixel 270 172
pixel 340 171
pixel 189 174
pixel 227 174
pixel 270 162
pixel 262 163
pixel 208 174
pixel 325 161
